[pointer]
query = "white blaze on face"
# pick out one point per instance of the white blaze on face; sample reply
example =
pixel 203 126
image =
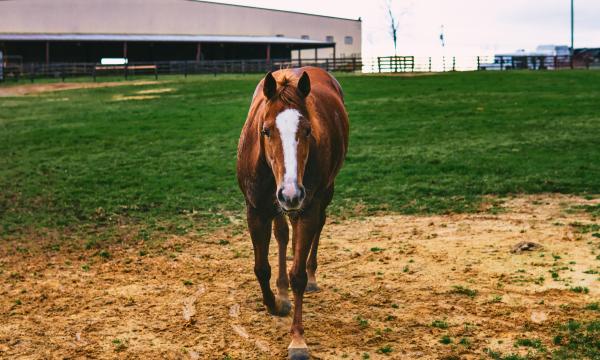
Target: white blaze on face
pixel 287 123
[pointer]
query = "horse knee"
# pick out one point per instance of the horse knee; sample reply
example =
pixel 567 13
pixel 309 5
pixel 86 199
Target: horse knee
pixel 263 273
pixel 298 280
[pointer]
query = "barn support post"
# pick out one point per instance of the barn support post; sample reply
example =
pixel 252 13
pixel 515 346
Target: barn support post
pixel 47 53
pixel 125 50
pixel 333 57
pixel 198 51
pixel 268 58
pixel 268 52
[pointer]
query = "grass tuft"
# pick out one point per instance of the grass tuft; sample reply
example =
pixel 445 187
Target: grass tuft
pixel 461 290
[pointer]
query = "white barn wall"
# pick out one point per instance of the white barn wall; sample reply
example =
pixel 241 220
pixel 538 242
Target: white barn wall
pixel 174 17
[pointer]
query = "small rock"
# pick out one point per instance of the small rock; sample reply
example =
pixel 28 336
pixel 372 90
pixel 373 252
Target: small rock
pixel 262 346
pixel 538 317
pixel 240 331
pixel 189 309
pixel 525 246
pixel 234 310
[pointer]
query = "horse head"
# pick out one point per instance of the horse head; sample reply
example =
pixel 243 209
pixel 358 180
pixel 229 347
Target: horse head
pixel 286 135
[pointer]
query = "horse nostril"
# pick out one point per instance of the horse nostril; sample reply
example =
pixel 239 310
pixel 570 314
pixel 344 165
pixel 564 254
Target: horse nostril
pixel 280 195
pixel 302 193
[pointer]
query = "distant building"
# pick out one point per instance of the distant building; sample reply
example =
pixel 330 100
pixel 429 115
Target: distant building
pixel 587 57
pixel 544 57
pixel 158 30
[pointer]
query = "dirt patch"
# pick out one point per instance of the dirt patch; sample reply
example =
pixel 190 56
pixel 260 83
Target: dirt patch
pixel 32 89
pixel 120 97
pixel 155 91
pixel 385 280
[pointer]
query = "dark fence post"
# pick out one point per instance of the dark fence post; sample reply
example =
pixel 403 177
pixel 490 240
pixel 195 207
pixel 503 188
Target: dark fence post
pixel 430 64
pixel 454 63
pixel 379 63
pixel 354 64
pixel 478 63
pixel 185 69
pixel 125 68
pixel 155 71
pixel 501 62
pixel 94 72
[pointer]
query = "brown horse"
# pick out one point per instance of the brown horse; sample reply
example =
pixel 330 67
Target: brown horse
pixel 291 148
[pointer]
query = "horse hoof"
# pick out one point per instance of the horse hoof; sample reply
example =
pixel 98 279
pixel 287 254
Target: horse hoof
pixel 282 307
pixel 312 287
pixel 298 354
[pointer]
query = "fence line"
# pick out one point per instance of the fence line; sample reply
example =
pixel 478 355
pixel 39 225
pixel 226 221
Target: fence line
pixel 385 64
pixel 393 64
pixel 32 71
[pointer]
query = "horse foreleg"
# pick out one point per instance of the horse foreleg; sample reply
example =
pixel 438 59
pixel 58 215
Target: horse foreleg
pixel 280 228
pixel 311 266
pixel 260 232
pixel 305 227
pixel 312 259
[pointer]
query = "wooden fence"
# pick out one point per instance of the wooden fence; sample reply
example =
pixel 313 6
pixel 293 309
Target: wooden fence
pixel 32 71
pixel 396 64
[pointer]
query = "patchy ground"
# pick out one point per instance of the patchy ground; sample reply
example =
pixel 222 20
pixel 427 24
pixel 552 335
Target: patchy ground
pixel 33 89
pixel 397 287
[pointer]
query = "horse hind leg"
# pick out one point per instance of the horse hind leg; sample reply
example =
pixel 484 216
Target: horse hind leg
pixel 281 230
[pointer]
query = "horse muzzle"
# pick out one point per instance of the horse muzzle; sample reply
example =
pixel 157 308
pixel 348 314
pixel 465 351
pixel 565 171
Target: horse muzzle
pixel 291 196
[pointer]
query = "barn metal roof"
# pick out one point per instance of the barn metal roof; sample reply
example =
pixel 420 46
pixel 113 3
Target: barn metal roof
pixel 167 38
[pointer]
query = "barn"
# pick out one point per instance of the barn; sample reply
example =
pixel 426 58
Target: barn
pixel 63 31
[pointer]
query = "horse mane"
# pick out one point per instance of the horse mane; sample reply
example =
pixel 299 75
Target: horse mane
pixel 287 92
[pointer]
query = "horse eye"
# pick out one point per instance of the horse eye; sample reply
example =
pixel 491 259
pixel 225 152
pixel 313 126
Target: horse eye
pixel 308 132
pixel 266 132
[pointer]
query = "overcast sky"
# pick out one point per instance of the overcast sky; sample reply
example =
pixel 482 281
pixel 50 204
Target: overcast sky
pixel 471 27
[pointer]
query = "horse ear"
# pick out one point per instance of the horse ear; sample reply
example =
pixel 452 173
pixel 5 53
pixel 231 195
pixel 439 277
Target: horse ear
pixel 304 85
pixel 269 86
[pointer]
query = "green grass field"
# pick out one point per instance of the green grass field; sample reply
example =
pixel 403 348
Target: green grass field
pixel 78 159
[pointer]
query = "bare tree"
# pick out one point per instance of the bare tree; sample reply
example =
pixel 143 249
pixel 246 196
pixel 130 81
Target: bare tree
pixel 393 22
